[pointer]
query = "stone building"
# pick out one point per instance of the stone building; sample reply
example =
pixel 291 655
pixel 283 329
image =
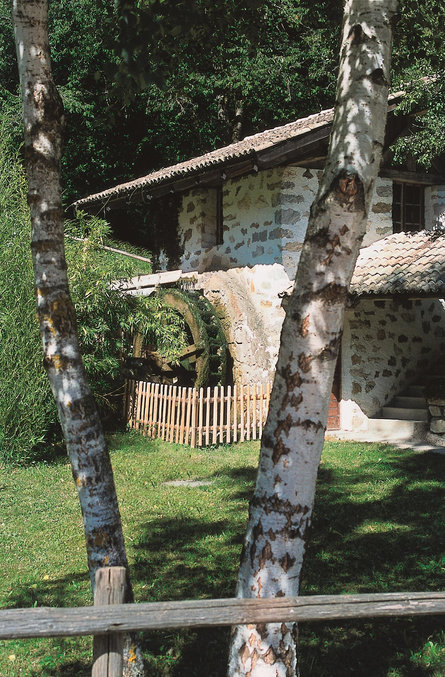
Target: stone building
pixel 232 222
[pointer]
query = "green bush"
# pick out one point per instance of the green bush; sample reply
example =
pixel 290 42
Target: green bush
pixel 27 411
pixel 107 318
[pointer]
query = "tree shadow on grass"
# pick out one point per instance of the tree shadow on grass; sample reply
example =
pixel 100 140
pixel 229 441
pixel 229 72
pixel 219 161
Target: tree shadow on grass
pixel 386 544
pixel 175 561
pixel 68 669
pixel 359 544
pixel 54 654
pixel 393 543
pixel 56 592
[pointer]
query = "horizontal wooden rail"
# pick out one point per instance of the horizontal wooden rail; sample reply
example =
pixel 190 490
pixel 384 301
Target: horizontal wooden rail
pixel 56 622
pixel 112 249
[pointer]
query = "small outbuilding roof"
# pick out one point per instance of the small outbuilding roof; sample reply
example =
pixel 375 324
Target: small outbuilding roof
pixel 259 151
pixel 411 264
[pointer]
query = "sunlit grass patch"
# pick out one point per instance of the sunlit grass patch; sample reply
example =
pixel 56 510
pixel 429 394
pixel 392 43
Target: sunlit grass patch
pixel 378 526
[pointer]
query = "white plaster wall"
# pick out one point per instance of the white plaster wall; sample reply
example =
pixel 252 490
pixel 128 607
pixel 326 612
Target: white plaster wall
pixel 386 345
pixel 248 303
pixel 265 220
pixel 434 207
pixel 380 213
pixel 299 188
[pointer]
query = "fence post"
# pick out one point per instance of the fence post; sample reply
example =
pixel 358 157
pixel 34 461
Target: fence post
pixel 186 416
pixel 107 649
pixel 194 419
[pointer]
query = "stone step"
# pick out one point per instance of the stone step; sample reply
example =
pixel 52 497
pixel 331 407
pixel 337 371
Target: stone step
pixel 408 402
pixel 404 414
pixel 390 430
pixel 414 391
pixel 437 426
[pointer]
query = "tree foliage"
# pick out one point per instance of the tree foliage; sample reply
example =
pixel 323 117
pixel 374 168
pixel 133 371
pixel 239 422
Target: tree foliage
pixel 210 67
pixel 147 83
pixel 26 407
pixel 419 67
pixel 107 318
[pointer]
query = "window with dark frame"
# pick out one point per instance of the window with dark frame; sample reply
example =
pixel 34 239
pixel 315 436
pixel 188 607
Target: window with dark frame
pixel 408 207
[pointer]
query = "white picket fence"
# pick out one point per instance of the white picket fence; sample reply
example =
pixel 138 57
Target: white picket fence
pixel 197 417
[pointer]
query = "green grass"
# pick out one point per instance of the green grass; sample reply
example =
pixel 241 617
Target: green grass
pixel 379 526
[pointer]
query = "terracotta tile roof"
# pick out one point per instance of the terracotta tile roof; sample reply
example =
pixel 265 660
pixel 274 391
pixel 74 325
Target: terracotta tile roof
pixel 403 263
pixel 235 151
pixel 238 150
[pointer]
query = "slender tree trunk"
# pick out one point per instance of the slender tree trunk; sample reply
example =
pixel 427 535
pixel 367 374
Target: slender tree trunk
pixel 237 128
pixel 90 461
pixel 281 508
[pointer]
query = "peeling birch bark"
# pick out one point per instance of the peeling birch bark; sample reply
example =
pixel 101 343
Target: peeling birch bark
pixel 90 461
pixel 281 509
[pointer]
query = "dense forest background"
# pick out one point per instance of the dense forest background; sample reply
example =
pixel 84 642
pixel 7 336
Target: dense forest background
pixel 147 83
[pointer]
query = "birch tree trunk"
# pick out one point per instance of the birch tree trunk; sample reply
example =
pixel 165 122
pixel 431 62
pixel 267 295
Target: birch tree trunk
pixel 281 508
pixel 90 461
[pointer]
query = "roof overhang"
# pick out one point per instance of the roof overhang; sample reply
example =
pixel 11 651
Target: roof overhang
pixel 302 142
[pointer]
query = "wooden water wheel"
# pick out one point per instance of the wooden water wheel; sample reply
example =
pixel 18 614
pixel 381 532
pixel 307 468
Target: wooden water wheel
pixel 203 362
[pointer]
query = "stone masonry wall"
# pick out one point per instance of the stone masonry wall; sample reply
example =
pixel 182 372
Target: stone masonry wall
pixel 265 218
pixel 386 346
pixel 435 207
pixel 248 303
pixel 380 213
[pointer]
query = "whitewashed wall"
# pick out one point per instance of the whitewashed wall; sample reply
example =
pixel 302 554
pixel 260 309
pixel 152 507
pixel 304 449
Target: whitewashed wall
pixel 380 213
pixel 265 220
pixel 386 345
pixel 435 207
pixel 248 303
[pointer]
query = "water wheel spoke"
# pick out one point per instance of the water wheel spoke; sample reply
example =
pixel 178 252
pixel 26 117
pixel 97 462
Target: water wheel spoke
pixel 203 361
pixel 192 352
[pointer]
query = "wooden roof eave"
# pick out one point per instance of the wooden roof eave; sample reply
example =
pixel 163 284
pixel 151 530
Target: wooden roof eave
pixel 308 145
pixel 401 297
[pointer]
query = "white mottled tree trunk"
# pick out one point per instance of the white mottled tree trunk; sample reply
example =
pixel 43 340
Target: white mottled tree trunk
pixel 281 508
pixel 90 461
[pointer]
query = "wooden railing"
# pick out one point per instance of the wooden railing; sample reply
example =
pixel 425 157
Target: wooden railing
pixel 197 417
pixel 107 620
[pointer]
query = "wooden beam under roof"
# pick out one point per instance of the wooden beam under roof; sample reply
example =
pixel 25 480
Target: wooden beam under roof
pixel 288 151
pixel 412 177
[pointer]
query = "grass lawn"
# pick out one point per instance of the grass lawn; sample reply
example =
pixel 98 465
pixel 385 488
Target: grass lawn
pixel 379 526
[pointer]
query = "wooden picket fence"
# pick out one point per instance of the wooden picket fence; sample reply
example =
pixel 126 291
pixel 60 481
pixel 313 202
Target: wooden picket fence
pixel 197 417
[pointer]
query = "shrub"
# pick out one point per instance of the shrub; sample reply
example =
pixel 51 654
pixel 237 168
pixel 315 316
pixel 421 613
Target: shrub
pixel 27 410
pixel 107 318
